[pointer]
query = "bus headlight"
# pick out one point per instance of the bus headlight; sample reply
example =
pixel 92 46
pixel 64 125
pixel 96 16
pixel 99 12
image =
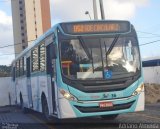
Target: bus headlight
pixel 138 90
pixel 67 95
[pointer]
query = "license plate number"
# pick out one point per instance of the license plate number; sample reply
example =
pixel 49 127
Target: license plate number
pixel 105 104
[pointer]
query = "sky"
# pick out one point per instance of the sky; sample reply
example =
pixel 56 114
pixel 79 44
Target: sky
pixel 143 14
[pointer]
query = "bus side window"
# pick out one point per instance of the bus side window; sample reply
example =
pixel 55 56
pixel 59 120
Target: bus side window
pixel 51 55
pixel 42 57
pixel 24 66
pixel 13 73
pixel 35 60
pixel 17 68
pixel 21 67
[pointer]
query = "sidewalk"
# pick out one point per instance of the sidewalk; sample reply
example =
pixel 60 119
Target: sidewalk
pixel 8 109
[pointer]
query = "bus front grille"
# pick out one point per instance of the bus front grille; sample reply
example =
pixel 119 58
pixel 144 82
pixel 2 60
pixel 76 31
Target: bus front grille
pixel 98 109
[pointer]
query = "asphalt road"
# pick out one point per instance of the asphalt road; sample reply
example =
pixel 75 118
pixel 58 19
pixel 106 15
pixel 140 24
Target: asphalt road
pixel 12 117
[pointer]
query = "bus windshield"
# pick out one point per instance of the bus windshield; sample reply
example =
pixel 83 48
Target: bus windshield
pixel 107 57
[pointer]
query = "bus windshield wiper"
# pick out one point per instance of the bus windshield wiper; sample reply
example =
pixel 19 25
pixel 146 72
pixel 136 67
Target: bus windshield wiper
pixel 90 56
pixel 85 47
pixel 112 45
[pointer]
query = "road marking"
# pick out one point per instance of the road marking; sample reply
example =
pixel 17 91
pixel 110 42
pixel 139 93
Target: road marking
pixel 148 116
pixel 40 121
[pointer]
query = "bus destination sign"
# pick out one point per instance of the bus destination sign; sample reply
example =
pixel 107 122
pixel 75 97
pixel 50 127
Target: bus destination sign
pixel 98 27
pixel 95 28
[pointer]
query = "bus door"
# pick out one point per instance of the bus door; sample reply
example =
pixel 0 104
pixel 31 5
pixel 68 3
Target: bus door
pixel 51 73
pixel 29 89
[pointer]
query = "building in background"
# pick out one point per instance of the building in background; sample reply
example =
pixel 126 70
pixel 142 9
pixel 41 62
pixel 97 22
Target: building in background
pixel 151 70
pixel 31 18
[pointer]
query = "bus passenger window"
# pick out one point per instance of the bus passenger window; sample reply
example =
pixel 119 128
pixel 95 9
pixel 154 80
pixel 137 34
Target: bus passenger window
pixel 35 62
pixel 24 66
pixel 13 73
pixel 17 68
pixel 21 67
pixel 42 57
pixel 50 60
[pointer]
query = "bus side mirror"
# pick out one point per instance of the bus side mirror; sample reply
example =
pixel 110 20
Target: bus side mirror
pixel 54 56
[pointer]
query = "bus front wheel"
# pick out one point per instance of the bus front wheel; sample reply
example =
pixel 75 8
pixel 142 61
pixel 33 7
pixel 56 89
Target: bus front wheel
pixel 45 110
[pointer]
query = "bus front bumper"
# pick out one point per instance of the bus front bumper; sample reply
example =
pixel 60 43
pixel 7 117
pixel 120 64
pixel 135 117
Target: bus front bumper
pixel 71 109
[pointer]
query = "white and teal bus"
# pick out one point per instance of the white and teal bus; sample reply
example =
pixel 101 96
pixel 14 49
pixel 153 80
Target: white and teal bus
pixel 81 69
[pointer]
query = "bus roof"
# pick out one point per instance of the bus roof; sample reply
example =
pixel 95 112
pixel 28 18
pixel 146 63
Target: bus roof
pixel 61 26
pixel 95 27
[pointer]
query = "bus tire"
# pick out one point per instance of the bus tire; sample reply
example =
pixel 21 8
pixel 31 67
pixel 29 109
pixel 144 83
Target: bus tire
pixel 24 109
pixel 21 101
pixel 45 110
pixel 110 117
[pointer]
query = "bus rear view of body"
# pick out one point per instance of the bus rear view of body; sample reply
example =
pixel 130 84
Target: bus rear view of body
pixel 81 69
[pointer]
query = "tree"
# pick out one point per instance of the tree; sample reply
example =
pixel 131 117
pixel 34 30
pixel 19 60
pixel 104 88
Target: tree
pixel 5 71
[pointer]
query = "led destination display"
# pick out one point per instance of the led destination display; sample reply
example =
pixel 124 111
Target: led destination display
pixel 92 28
pixel 96 27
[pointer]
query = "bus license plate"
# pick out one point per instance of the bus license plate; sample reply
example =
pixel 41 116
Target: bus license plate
pixel 105 104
